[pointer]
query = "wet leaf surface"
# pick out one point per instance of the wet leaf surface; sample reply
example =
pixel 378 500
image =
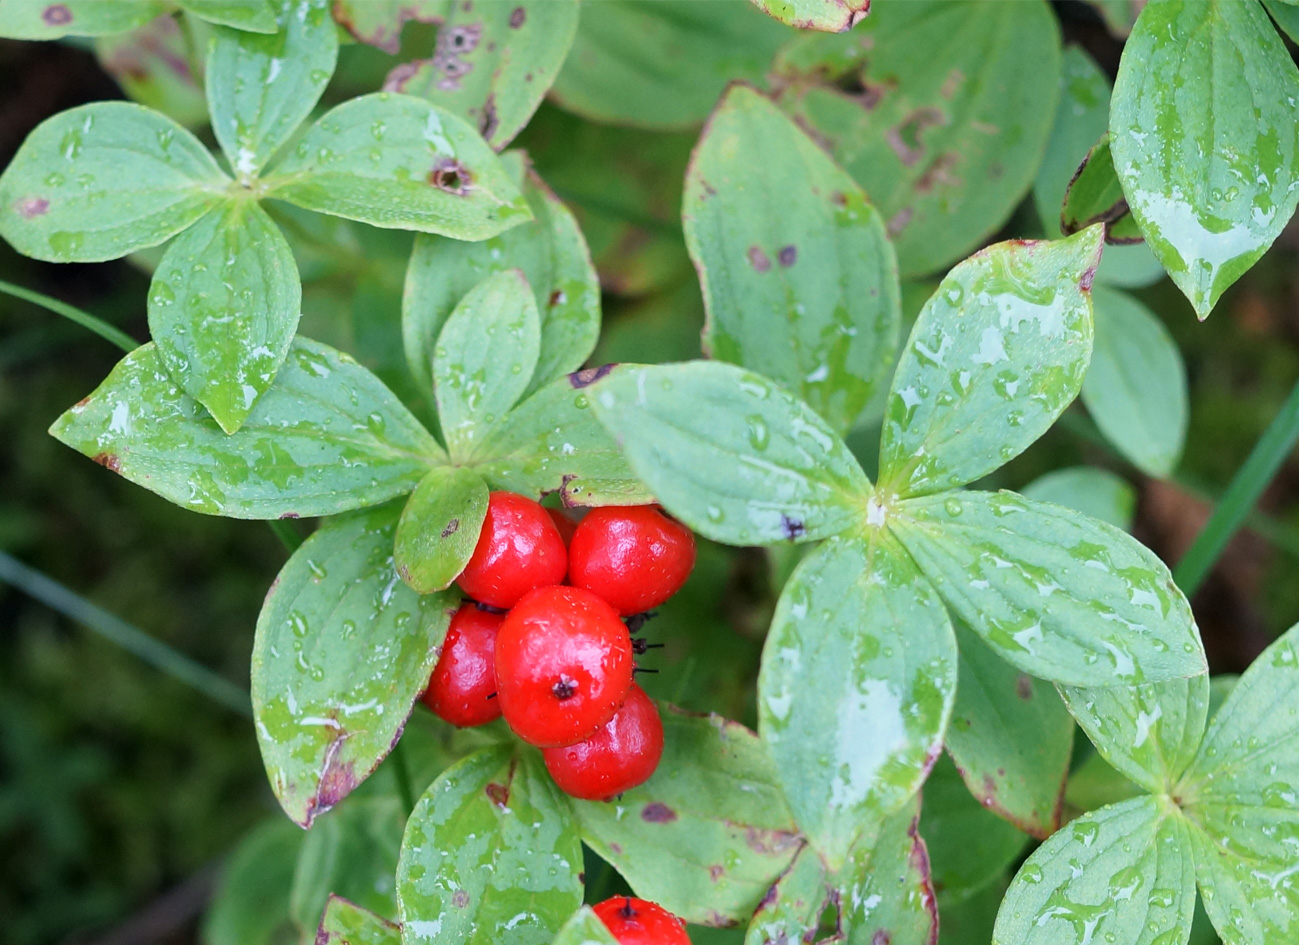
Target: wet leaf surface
pixel 887 894
pixel 1010 737
pixel 491 855
pixel 103 180
pixel 792 907
pixel 258 16
pixel 342 651
pixel 730 453
pixel 1204 139
pixel 553 257
pixel 996 355
pixel 396 161
pixel 1059 595
pixel 44 19
pixel 262 87
pixel 709 833
pixel 484 358
pixel 493 62
pixel 584 928
pixel 439 528
pixel 1123 873
pixel 223 308
pixel 345 923
pixel 327 437
pixel 859 626
pixel 799 279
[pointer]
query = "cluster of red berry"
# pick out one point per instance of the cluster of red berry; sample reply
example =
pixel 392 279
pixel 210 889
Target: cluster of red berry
pixel 555 659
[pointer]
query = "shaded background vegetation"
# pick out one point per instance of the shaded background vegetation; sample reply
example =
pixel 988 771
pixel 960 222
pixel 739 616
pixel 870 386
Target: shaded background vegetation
pixel 122 789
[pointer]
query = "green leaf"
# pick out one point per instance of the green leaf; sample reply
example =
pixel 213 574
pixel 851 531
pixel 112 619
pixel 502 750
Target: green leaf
pixel 1119 874
pixel 379 22
pixel 52 19
pixel 792 907
pixel 1081 118
pixel 663 63
pixel 939 109
pixel 888 894
pixel 831 16
pixel 732 455
pixel 859 627
pixel 257 16
pixel 970 922
pixel 551 253
pixel 439 528
pixel 709 833
pixel 343 649
pixel 327 437
pixel 552 442
pixel 223 307
pixel 996 355
pixel 345 923
pixel 1096 492
pixel 1204 139
pixel 350 852
pixel 1148 733
pixel 151 65
pixel 584 928
pixel 969 847
pixel 1119 15
pixel 1059 595
pixel 493 63
pixel 1094 195
pixel 250 905
pixel 1010 736
pixel 1136 389
pixel 262 87
pixel 491 855
pixel 799 280
pixel 398 162
pixel 103 180
pixel 1240 793
pixel 484 358
pixel 1286 15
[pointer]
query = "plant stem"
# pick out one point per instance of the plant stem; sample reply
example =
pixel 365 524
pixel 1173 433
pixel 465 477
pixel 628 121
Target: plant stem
pixel 111 627
pixel 401 773
pixel 286 533
pixel 1246 486
pixel 84 319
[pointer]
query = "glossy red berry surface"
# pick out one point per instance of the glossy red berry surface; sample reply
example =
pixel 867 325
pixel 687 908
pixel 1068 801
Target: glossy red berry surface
pixel 518 550
pixel 635 557
pixel 462 688
pixel 635 921
pixel 622 754
pixel 563 666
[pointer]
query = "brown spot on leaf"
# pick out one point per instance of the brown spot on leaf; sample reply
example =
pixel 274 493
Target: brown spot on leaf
pixel 937 173
pixel 453 526
pixel 451 176
pixel 490 122
pixel 898 222
pixel 460 899
pixel 657 813
pixel 615 849
pixel 557 298
pixel 1085 283
pixel 716 871
pixel 761 840
pixel 588 376
pixel 758 259
pixel 1024 687
pixel 56 14
pixel 788 255
pixel 337 779
pixel 952 83
pixel 517 17
pixel 905 138
pixel 109 461
pixel 881 937
pixel 30 207
pixel 499 793
pixel 792 527
pixel 290 515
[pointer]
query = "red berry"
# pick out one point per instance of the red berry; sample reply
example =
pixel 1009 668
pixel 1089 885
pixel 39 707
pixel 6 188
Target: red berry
pixel 621 755
pixel 563 666
pixel 462 688
pixel 635 921
pixel 565 525
pixel 519 549
pixel 635 557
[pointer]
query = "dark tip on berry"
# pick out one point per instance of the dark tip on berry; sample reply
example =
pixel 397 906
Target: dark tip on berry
pixel 636 621
pixel 566 688
pixel 640 647
pixel 626 911
pixel 488 608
